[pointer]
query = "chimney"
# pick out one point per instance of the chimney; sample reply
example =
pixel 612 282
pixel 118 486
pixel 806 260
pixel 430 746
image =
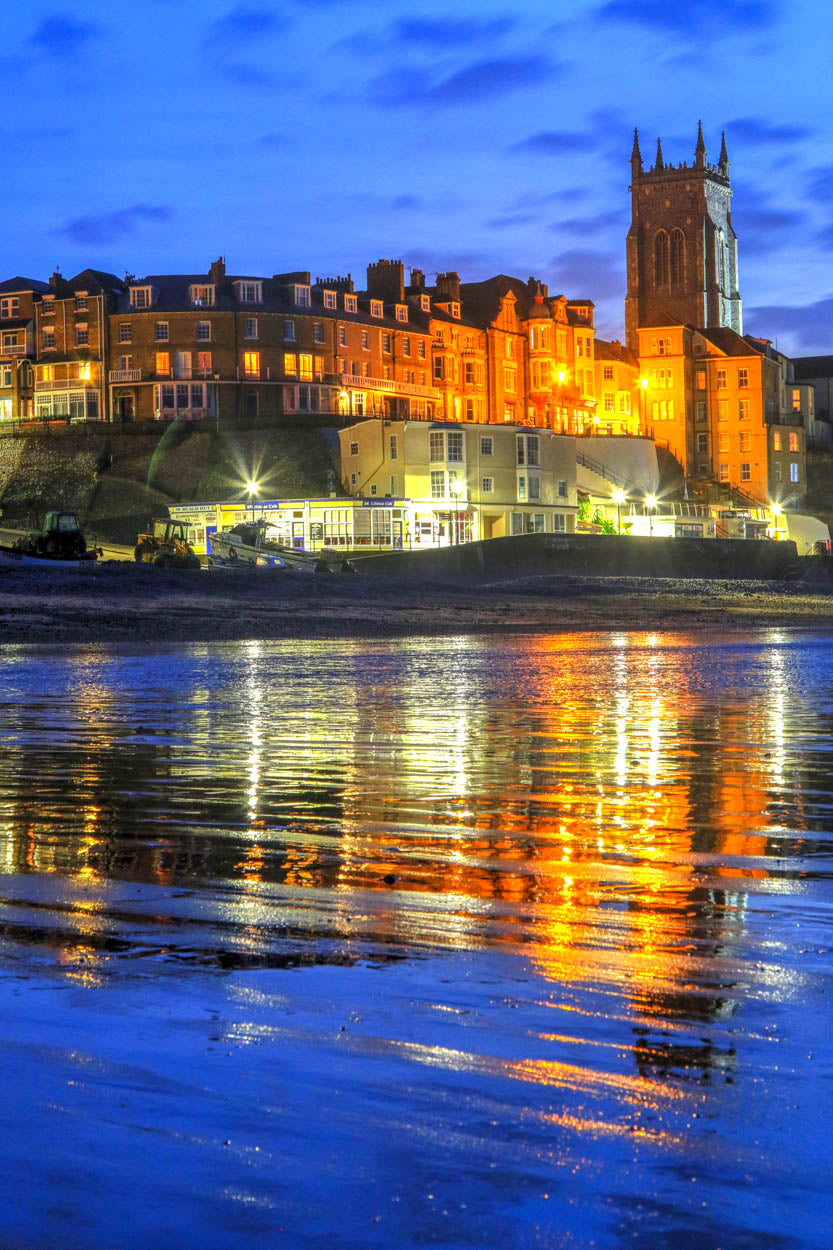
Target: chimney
pixel 217 271
pixel 448 286
pixel 56 278
pixel 386 281
pixel 417 280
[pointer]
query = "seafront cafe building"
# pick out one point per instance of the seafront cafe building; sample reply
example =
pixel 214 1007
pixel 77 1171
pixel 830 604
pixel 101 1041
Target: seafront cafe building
pixel 371 524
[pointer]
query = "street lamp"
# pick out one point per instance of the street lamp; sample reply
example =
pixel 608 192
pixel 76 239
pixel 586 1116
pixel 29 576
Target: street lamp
pixel 618 499
pixel 252 489
pixel 650 504
pixel 643 384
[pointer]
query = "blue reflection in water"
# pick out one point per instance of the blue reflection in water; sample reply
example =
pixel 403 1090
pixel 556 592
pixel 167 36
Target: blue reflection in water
pixel 562 908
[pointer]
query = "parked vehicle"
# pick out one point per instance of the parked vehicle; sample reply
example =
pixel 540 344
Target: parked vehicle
pixel 60 541
pixel 248 543
pixel 165 544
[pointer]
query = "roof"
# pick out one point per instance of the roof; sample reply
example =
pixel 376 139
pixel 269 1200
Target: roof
pixel 730 342
pixel 812 367
pixel 481 300
pixel 14 285
pixel 615 351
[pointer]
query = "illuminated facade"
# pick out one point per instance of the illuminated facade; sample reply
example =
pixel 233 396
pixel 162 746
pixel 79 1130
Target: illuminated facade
pixel 72 345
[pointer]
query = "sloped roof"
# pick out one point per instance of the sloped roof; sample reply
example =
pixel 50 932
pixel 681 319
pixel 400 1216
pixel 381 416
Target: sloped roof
pixel 813 367
pixel 730 342
pixel 23 284
pixel 615 351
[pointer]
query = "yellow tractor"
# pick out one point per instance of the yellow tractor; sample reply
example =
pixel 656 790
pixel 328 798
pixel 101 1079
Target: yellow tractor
pixel 166 545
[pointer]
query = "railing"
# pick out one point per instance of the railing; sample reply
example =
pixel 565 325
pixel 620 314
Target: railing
pixel 388 386
pixel 67 384
pixel 596 466
pixel 125 375
pixel 13 349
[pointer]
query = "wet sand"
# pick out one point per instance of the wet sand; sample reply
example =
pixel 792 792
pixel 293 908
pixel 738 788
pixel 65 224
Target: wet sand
pixel 118 602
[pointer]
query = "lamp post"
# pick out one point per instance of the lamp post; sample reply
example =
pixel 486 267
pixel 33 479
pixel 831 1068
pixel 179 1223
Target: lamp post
pixel 252 488
pixel 618 499
pixel 650 504
pixel 643 386
pixel 458 489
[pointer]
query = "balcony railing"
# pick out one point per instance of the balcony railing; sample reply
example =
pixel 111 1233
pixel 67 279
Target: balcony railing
pixel 125 375
pixel 67 384
pixel 13 349
pixel 388 386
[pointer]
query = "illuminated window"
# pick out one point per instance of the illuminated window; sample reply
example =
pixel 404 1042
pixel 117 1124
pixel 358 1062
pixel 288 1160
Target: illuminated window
pixel 290 363
pixel 723 472
pixel 85 372
pixel 330 299
pixel 204 362
pixel 776 440
pixel 745 441
pixel 796 401
pixel 701 379
pixel 125 332
pixel 794 442
pixel 743 377
pixel 160 332
pixel 745 471
pixel 305 367
pixel 793 471
pixel 351 303
pixel 401 312
pixel 204 331
pixel 47 373
pixel 251 364
pixel 163 362
pixel 140 297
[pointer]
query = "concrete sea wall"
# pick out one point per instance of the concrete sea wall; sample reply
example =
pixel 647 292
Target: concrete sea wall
pixel 587 555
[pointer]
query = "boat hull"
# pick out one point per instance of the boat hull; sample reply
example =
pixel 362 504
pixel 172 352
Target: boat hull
pixel 17 559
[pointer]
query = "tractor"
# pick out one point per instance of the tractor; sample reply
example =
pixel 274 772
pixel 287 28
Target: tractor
pixel 61 536
pixel 166 545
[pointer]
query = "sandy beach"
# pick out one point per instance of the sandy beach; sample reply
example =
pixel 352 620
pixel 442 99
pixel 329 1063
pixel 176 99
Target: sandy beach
pixel 121 602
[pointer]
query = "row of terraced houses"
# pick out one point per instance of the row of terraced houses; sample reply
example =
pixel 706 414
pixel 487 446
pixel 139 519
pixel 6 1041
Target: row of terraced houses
pixel 229 348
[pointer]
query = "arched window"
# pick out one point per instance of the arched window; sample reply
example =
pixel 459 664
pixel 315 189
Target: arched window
pixel 661 259
pixel 718 243
pixel 677 258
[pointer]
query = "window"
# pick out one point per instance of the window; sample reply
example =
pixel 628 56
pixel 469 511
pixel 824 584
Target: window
pixel 455 445
pixel 609 401
pixel 82 335
pixel 437 484
pixel 796 397
pixel 204 331
pixel 625 402
pixel 439 367
pixel 534 486
pixel 743 377
pixel 700 409
pixel 140 297
pixel 365 340
pixel 10 307
pixel 421 349
pixel 661 259
pixel 47 373
pixel 85 372
pixel 721 377
pixel 509 378
pixel 48 306
pixel 351 303
pixel 723 410
pixel 305 367
pixel 290 364
pixel 163 363
pixel 677 266
pixel 745 471
pixel 125 332
pixel 354 449
pixel 342 336
pixel 532 449
pixel 607 373
pixel 250 328
pixel 401 312
pixel 302 296
pixel 386 342
pixel 425 303
pixel 778 470
pixel 723 472
pixel 743 409
pixel 436 445
pixel 406 346
pixel 394 484
pixel 793 471
pixel 455 310
pixel 330 299
pixel 487 446
pixel 745 441
pixel 318 332
pixel 392 448
pixel 160 332
pixel 81 301
pixel 723 442
pixel 376 308
pixel 249 293
pixel 47 339
pixel 373 489
pixel 794 442
pixel 204 362
pixel 702 442
pixel 289 332
pixel 776 440
pixel 700 379
pixel 251 364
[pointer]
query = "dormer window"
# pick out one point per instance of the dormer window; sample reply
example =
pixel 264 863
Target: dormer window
pixel 401 312
pixel 330 300
pixel 250 292
pixel 425 303
pixel 302 296
pixel 376 308
pixel 455 310
pixel 351 303
pixel 141 297
pixel 202 296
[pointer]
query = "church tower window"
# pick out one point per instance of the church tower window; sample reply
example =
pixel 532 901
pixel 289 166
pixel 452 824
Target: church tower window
pixel 661 259
pixel 677 258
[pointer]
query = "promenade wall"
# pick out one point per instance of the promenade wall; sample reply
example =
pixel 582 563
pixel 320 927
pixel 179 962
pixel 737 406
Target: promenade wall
pixel 586 555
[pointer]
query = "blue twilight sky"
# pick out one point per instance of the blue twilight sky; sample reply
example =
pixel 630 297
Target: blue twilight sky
pixel 478 135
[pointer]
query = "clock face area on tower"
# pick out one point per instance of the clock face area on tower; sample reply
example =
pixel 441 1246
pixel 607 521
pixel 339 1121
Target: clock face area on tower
pixel 682 256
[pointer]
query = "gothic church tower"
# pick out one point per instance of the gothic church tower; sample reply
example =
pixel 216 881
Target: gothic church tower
pixel 682 251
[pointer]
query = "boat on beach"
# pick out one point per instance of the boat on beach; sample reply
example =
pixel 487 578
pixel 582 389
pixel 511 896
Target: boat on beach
pixel 249 544
pixel 60 544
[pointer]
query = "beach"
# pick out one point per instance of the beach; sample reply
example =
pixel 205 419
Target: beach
pixel 119 602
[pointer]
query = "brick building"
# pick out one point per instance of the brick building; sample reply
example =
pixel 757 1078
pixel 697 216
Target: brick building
pixel 17 346
pixel 72 346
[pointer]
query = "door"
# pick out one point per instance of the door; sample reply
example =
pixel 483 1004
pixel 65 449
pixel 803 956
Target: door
pixel 182 364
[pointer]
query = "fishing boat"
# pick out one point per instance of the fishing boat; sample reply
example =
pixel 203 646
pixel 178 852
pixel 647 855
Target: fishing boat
pixel 249 544
pixel 59 544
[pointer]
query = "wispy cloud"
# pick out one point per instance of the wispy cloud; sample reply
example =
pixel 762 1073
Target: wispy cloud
pixel 106 227
pixel 481 80
pixel 745 17
pixel 442 32
pixel 245 23
pixel 62 34
pixel 552 142
pixel 755 132
pixel 581 273
pixel 800 331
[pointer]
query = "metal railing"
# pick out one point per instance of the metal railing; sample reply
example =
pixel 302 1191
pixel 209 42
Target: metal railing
pixel 601 470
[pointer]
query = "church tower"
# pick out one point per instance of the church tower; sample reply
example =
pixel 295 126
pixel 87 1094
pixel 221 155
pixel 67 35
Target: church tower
pixel 682 251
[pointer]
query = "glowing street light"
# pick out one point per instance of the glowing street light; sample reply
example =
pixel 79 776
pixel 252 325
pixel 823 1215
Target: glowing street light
pixel 457 489
pixel 650 504
pixel 618 499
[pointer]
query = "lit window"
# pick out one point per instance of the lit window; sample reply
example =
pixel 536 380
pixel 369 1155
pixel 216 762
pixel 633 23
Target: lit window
pixel 794 442
pixel 793 471
pixel 401 312
pixel 302 296
pixel 351 303
pixel 163 362
pixel 47 373
pixel 723 472
pixel 776 440
pixel 376 308
pixel 201 296
pixel 745 471
pixel 330 300
pixel 701 379
pixel 140 297
pixel 251 364
pixel 305 367
pixel 290 364
pixel 85 372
